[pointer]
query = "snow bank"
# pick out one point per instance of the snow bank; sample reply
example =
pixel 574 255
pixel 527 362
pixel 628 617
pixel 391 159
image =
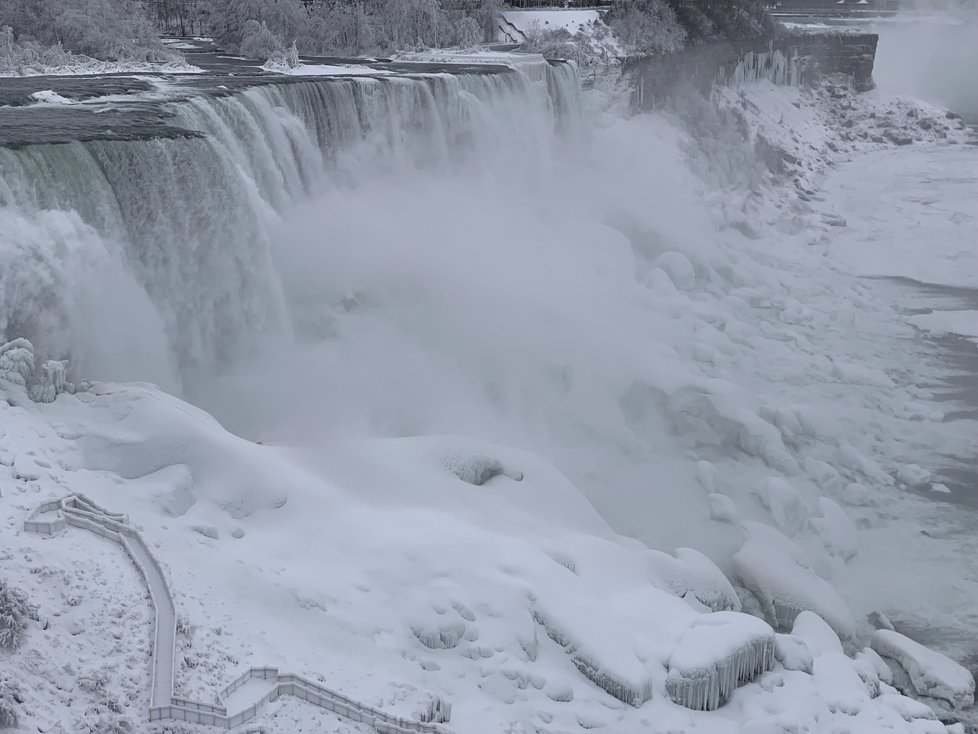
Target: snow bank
pixel 931 673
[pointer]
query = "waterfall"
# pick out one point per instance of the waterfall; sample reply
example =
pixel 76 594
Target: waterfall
pixel 161 248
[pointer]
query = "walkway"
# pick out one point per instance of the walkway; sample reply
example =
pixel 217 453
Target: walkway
pixel 77 511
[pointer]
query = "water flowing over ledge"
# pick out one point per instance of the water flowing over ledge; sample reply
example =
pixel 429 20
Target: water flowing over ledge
pixel 180 225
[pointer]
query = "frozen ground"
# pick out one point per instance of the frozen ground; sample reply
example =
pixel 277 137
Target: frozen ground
pixel 674 374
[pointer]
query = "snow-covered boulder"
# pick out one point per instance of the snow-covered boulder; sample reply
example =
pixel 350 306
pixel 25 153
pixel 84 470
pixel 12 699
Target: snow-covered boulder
pixel 779 574
pixel 715 655
pixel 817 635
pixel 930 673
pixel 693 576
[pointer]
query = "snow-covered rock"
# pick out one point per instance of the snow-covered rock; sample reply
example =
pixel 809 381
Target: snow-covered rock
pixel 931 673
pixel 780 575
pixel 717 653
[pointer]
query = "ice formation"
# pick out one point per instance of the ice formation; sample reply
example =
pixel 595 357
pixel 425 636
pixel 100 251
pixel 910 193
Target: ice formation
pixel 715 655
pixel 16 366
pixel 931 673
pixel 779 574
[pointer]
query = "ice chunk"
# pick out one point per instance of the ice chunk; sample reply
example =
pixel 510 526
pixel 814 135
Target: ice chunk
pixel 819 637
pixel 931 673
pixel 722 508
pixel 857 495
pixel 780 576
pixel 793 653
pixel 785 504
pixel 52 382
pixel 913 475
pixel 717 653
pixel 837 531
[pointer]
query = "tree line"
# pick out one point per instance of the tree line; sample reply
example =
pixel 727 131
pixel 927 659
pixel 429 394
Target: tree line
pixel 131 29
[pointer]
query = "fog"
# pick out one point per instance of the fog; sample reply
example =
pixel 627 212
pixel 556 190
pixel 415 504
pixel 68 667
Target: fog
pixel 933 58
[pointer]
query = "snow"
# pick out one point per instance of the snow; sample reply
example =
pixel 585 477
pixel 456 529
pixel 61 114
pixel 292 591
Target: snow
pixel 325 70
pixel 939 323
pixel 85 67
pixel 818 636
pixel 931 673
pixel 517 24
pixel 714 655
pixel 837 531
pixel 779 574
pixel 369 547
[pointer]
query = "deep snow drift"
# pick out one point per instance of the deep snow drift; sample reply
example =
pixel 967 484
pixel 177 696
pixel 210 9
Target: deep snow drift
pixel 493 348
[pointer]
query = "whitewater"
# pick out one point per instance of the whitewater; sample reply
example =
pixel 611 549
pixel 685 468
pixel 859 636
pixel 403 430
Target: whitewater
pixel 483 359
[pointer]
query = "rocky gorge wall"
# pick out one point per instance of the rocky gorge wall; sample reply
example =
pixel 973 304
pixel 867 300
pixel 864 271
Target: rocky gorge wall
pixel 791 58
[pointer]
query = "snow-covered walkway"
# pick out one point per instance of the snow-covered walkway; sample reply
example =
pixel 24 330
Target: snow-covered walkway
pixel 55 516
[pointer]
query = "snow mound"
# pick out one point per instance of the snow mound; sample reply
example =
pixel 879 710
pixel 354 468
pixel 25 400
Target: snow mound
pixel 611 664
pixel 692 575
pixel 477 469
pixel 722 508
pixel 793 653
pixel 837 531
pixel 779 574
pixel 715 655
pixel 931 673
pixel 816 634
pixel 141 431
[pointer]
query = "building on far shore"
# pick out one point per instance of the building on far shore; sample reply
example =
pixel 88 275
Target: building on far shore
pixel 833 6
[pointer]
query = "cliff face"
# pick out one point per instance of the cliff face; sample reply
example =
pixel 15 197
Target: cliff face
pixel 791 58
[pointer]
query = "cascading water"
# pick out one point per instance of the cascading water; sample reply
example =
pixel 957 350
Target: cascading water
pixel 183 224
pixel 334 257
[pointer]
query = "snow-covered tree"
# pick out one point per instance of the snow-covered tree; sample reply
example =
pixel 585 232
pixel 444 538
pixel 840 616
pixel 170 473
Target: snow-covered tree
pixel 15 611
pixel 10 699
pixel 103 29
pixel 647 26
pixel 406 24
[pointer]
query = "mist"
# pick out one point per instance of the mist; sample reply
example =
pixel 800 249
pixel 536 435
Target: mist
pixel 933 58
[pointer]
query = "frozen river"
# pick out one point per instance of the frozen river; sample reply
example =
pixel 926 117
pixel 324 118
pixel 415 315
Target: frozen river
pixel 912 227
